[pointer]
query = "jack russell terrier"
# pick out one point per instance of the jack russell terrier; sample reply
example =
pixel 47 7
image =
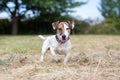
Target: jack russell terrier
pixel 59 43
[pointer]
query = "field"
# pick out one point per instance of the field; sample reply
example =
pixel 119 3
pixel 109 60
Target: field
pixel 93 57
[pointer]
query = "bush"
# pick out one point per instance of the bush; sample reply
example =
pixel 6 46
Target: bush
pixel 107 27
pixel 81 27
pixel 5 26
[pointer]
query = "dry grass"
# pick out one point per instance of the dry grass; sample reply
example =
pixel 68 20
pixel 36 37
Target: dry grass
pixel 93 57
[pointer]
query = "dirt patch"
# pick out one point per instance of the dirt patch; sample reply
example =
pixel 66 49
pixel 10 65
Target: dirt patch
pixel 80 67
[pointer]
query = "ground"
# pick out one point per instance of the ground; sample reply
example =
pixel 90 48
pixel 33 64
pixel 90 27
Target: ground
pixel 93 57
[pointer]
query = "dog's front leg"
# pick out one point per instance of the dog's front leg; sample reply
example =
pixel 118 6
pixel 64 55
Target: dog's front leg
pixel 53 54
pixel 44 49
pixel 67 56
pixel 43 54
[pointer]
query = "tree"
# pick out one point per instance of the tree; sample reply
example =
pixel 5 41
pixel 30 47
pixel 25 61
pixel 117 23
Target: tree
pixel 51 9
pixel 12 7
pixel 47 9
pixel 110 9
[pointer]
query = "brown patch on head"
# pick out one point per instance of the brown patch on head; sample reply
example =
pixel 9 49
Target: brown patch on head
pixel 60 28
pixel 55 24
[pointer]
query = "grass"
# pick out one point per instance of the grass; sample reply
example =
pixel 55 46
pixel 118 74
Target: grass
pixel 19 44
pixel 93 57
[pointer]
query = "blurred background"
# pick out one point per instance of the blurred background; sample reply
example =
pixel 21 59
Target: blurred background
pixel 22 17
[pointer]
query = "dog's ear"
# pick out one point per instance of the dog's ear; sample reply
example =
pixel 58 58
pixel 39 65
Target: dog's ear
pixel 55 24
pixel 71 24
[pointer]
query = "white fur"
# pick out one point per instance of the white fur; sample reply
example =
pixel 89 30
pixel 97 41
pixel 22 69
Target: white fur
pixel 66 32
pixel 40 36
pixel 56 47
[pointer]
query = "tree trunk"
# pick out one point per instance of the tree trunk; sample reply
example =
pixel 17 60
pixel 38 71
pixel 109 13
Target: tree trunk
pixel 14 26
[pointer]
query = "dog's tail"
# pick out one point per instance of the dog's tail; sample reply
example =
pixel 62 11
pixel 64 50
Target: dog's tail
pixel 42 37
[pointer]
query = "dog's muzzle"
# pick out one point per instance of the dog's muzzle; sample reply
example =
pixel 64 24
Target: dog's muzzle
pixel 63 37
pixel 63 40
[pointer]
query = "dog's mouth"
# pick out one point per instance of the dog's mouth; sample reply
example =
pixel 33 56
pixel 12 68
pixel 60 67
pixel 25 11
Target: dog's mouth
pixel 64 39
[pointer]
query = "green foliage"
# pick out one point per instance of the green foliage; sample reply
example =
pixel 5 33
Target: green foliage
pixel 5 26
pixel 46 10
pixel 110 9
pixel 81 27
pixel 13 9
pixel 108 27
pixel 51 9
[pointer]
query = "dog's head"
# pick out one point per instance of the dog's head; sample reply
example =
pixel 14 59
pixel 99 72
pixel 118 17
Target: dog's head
pixel 63 29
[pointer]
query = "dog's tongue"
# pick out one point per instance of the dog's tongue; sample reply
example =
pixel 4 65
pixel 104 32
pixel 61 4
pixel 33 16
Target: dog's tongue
pixel 63 39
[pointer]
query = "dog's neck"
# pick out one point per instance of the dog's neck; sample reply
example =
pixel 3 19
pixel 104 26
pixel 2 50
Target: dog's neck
pixel 59 41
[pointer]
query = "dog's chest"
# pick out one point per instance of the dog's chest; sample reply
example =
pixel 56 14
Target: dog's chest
pixel 61 49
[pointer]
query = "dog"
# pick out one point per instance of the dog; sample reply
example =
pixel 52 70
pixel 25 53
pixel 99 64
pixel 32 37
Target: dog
pixel 60 42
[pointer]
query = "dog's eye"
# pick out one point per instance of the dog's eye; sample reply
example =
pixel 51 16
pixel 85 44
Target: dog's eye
pixel 67 28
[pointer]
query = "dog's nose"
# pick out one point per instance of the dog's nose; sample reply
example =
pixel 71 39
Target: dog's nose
pixel 63 36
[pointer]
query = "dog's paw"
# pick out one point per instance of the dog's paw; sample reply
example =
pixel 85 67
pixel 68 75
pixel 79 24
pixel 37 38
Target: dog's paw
pixel 58 61
pixel 41 60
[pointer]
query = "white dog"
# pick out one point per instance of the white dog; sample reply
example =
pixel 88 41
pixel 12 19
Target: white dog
pixel 59 43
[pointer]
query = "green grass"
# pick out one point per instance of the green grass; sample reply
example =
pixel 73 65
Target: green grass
pixel 32 44
pixel 20 44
